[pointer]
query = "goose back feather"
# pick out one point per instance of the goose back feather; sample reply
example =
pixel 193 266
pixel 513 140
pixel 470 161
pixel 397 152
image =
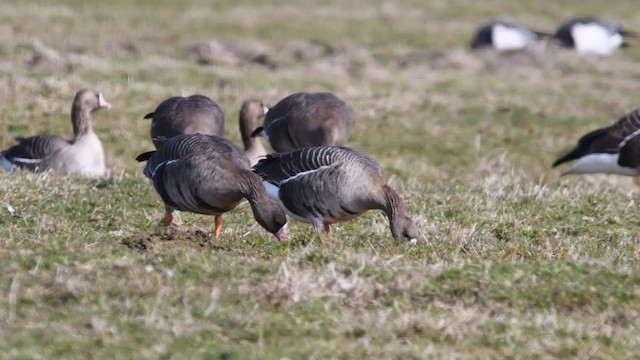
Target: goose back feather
pixel 307 119
pixel 185 115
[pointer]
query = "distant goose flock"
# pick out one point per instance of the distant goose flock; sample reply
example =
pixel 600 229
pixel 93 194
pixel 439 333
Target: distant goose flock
pixel 587 35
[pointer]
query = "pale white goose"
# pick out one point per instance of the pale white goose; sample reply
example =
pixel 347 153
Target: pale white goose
pixel 250 111
pixel 326 184
pixel 610 150
pixel 591 36
pixel 503 35
pixel 81 156
pixel 307 119
pixel 208 174
pixel 185 115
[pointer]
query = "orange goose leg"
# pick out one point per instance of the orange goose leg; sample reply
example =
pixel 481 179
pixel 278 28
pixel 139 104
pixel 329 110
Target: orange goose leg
pixel 327 228
pixel 168 218
pixel 218 228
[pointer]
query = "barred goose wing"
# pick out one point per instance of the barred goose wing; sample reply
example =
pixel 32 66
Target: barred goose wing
pixel 30 152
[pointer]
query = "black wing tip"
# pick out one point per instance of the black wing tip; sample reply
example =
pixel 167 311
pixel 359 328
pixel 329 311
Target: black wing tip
pixel 149 116
pixel 257 131
pixel 145 156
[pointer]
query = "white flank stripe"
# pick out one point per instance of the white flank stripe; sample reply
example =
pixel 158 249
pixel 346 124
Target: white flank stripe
pixel 27 161
pixel 164 163
pixel 304 173
pixel 599 164
pixel 628 138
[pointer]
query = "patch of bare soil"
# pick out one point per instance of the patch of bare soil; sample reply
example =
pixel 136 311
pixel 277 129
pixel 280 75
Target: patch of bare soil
pixel 170 237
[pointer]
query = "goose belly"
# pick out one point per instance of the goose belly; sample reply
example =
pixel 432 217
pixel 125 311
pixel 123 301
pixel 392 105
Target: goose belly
pixel 600 164
pixel 84 158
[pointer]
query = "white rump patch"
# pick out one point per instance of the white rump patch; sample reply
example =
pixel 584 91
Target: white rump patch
pixel 600 164
pixel 509 38
pixel 27 161
pixel 595 39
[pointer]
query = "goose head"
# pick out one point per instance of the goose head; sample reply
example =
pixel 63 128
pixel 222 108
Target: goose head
pixel 90 100
pixel 403 228
pixel 271 217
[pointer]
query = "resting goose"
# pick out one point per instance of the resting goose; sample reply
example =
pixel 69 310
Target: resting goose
pixel 307 119
pixel 610 150
pixel 326 184
pixel 250 111
pixel 81 156
pixel 207 174
pixel 504 35
pixel 185 115
pixel 591 36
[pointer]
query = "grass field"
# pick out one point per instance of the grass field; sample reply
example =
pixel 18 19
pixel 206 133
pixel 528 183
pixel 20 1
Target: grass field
pixel 513 261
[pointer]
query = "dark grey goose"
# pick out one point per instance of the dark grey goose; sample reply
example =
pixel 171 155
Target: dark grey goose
pixel 307 119
pixel 610 150
pixel 326 184
pixel 250 111
pixel 208 174
pixel 81 156
pixel 185 115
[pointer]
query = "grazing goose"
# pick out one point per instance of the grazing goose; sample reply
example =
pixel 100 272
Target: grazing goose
pixel 591 36
pixel 610 150
pixel 326 184
pixel 307 119
pixel 505 35
pixel 185 115
pixel 250 111
pixel 207 174
pixel 82 156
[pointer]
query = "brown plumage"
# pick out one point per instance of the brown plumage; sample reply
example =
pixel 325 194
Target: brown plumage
pixel 185 115
pixel 82 156
pixel 307 119
pixel 250 111
pixel 207 174
pixel 326 184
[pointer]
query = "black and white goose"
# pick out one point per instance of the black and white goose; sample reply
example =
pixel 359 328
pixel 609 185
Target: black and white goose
pixel 504 35
pixel 307 119
pixel 185 115
pixel 81 156
pixel 325 185
pixel 250 111
pixel 610 150
pixel 207 174
pixel 591 36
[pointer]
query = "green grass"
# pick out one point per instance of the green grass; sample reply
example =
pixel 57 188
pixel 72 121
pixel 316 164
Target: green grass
pixel 513 262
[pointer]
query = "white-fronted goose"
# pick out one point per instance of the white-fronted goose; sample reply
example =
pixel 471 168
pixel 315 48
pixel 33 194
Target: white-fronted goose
pixel 208 174
pixel 81 156
pixel 591 36
pixel 326 184
pixel 307 119
pixel 250 111
pixel 505 35
pixel 185 115
pixel 610 150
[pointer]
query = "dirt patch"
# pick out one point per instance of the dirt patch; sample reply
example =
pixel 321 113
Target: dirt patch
pixel 171 237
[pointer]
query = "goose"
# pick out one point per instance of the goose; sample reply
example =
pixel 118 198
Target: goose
pixel 307 119
pixel 609 150
pixel 185 115
pixel 324 185
pixel 505 35
pixel 208 174
pixel 591 36
pixel 250 111
pixel 81 156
